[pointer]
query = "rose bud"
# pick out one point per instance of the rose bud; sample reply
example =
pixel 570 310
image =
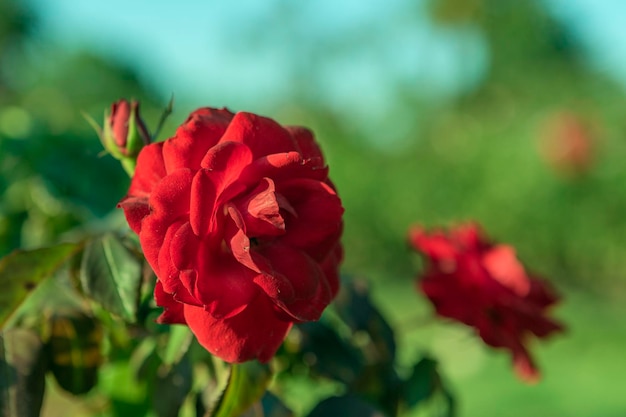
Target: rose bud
pixel 238 219
pixel 483 285
pixel 125 133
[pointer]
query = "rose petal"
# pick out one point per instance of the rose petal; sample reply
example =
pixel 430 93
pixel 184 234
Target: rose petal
pixel 254 333
pixel 201 131
pixel 503 266
pixel 525 368
pixel 311 292
pixel 307 145
pixel 318 223
pixel 149 171
pixel 226 286
pixel 260 211
pixel 434 245
pixel 264 136
pixel 170 197
pixel 202 203
pixel 135 210
pixel 173 311
pixel 284 166
pixel 170 202
pixel 167 273
pixel 330 266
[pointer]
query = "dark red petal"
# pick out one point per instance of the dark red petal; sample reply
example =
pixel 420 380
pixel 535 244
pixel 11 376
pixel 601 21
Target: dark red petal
pixel 254 333
pixel 470 237
pixel 228 158
pixel 435 245
pixel 237 240
pixel 311 292
pixel 502 265
pixel 307 145
pixel 168 273
pixel 330 266
pixel 542 294
pixel 227 287
pixel 284 166
pixel 201 131
pixel 135 209
pixel 264 136
pixel 173 311
pixel 170 198
pixel 260 211
pixel 150 170
pixel 170 202
pixel 524 366
pixel 202 203
pixel 276 286
pixel 318 223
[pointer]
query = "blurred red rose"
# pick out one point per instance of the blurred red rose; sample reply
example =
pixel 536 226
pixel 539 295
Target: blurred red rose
pixel 568 144
pixel 483 285
pixel 238 219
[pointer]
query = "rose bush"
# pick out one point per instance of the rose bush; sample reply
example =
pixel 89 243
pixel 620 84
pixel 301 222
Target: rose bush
pixel 238 219
pixel 483 285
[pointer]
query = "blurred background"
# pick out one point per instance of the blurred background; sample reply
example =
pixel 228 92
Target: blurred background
pixel 434 112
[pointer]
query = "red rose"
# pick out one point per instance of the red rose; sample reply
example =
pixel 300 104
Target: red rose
pixel 484 286
pixel 238 219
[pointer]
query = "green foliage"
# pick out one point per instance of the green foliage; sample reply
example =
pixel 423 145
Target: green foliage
pixel 22 371
pixel 22 271
pixel 74 352
pixel 348 406
pixel 111 274
pixel 356 349
pixel 424 383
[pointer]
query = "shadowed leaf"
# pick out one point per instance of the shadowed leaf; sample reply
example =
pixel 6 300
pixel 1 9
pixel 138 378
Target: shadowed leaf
pixel 22 271
pixel 22 373
pixel 346 406
pixel 357 310
pixel 328 354
pixel 425 383
pixel 111 275
pixel 171 386
pixel 74 352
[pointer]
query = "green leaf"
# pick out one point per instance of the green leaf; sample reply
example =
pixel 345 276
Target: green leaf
pixel 219 373
pixel 273 407
pixel 247 383
pixel 425 384
pixel 111 275
pixel 128 395
pixel 356 309
pixel 179 339
pixel 328 354
pixel 22 271
pixel 171 386
pixel 74 352
pixel 345 406
pixel 22 373
pixel 422 383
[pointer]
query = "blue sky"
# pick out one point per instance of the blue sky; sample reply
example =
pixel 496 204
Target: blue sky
pixel 200 50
